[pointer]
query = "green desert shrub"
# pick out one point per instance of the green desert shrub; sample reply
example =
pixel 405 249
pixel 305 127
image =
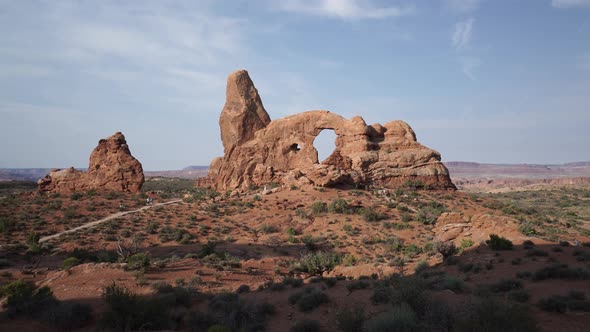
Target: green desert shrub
pixel 237 314
pixel 349 260
pixel 453 283
pixel 65 316
pixel 490 315
pixel 70 262
pixel 401 318
pixel 561 271
pixel 7 225
pixel 358 284
pixel 371 214
pixel 218 328
pixel 308 299
pixel 76 196
pixel 339 205
pixel 382 295
pixel 446 249
pixel 138 261
pixel 350 319
pixel 411 290
pixel 430 213
pixel 499 243
pixel 306 325
pixel 168 233
pixel 422 266
pixel 505 285
pixel 126 311
pixel 23 298
pixel 319 207
pixel 33 242
pixel 293 282
pixel 316 263
pixel 574 301
pixel 466 243
pixel 152 227
pixel 312 242
pixel 268 229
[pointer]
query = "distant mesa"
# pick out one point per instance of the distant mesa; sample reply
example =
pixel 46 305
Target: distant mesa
pixel 259 151
pixel 195 168
pixel 111 168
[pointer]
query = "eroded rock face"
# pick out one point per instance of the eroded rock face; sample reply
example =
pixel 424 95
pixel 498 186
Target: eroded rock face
pixel 243 113
pixel 258 151
pixel 111 168
pixel 454 226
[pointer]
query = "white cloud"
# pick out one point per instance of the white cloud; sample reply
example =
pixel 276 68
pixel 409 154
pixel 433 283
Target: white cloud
pixel 468 66
pixel 463 6
pixel 462 34
pixel 124 50
pixel 345 9
pixel 570 3
pixel 144 35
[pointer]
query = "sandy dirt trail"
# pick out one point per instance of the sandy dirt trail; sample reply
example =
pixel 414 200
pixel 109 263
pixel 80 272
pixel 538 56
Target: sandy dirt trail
pixel 100 221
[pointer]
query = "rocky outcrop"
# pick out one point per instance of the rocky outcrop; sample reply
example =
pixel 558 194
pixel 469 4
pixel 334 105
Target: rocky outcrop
pixel 243 113
pixel 111 168
pixel 260 151
pixel 453 226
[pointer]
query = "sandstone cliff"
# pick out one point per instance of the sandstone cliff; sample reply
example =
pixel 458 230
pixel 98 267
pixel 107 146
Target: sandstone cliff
pixel 111 168
pixel 259 151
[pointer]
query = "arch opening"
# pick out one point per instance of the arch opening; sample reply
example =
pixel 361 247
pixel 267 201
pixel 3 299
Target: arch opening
pixel 325 144
pixel 295 147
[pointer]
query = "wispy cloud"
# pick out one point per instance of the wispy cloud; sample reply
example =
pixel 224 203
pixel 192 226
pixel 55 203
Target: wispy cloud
pixel 461 40
pixel 344 9
pixel 125 47
pixel 469 65
pixel 462 6
pixel 462 33
pixel 570 3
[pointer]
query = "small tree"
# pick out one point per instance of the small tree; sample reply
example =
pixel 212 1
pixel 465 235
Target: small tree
pixel 33 242
pixel 447 249
pixel 138 261
pixel 125 249
pixel 316 263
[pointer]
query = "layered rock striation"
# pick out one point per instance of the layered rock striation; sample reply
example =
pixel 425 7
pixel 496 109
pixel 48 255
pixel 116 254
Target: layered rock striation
pixel 259 151
pixel 111 168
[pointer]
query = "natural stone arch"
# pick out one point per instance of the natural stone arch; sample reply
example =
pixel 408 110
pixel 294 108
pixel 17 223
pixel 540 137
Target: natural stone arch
pixel 325 144
pixel 282 151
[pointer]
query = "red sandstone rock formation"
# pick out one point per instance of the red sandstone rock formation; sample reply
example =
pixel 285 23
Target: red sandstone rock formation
pixel 112 168
pixel 453 226
pixel 258 151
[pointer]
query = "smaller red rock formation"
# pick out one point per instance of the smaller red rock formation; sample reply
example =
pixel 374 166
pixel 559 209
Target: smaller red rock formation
pixel 111 168
pixel 454 226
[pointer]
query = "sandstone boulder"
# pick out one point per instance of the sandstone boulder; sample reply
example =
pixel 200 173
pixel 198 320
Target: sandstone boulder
pixel 453 226
pixel 259 151
pixel 111 168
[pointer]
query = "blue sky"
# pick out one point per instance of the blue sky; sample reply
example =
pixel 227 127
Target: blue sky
pixel 498 81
